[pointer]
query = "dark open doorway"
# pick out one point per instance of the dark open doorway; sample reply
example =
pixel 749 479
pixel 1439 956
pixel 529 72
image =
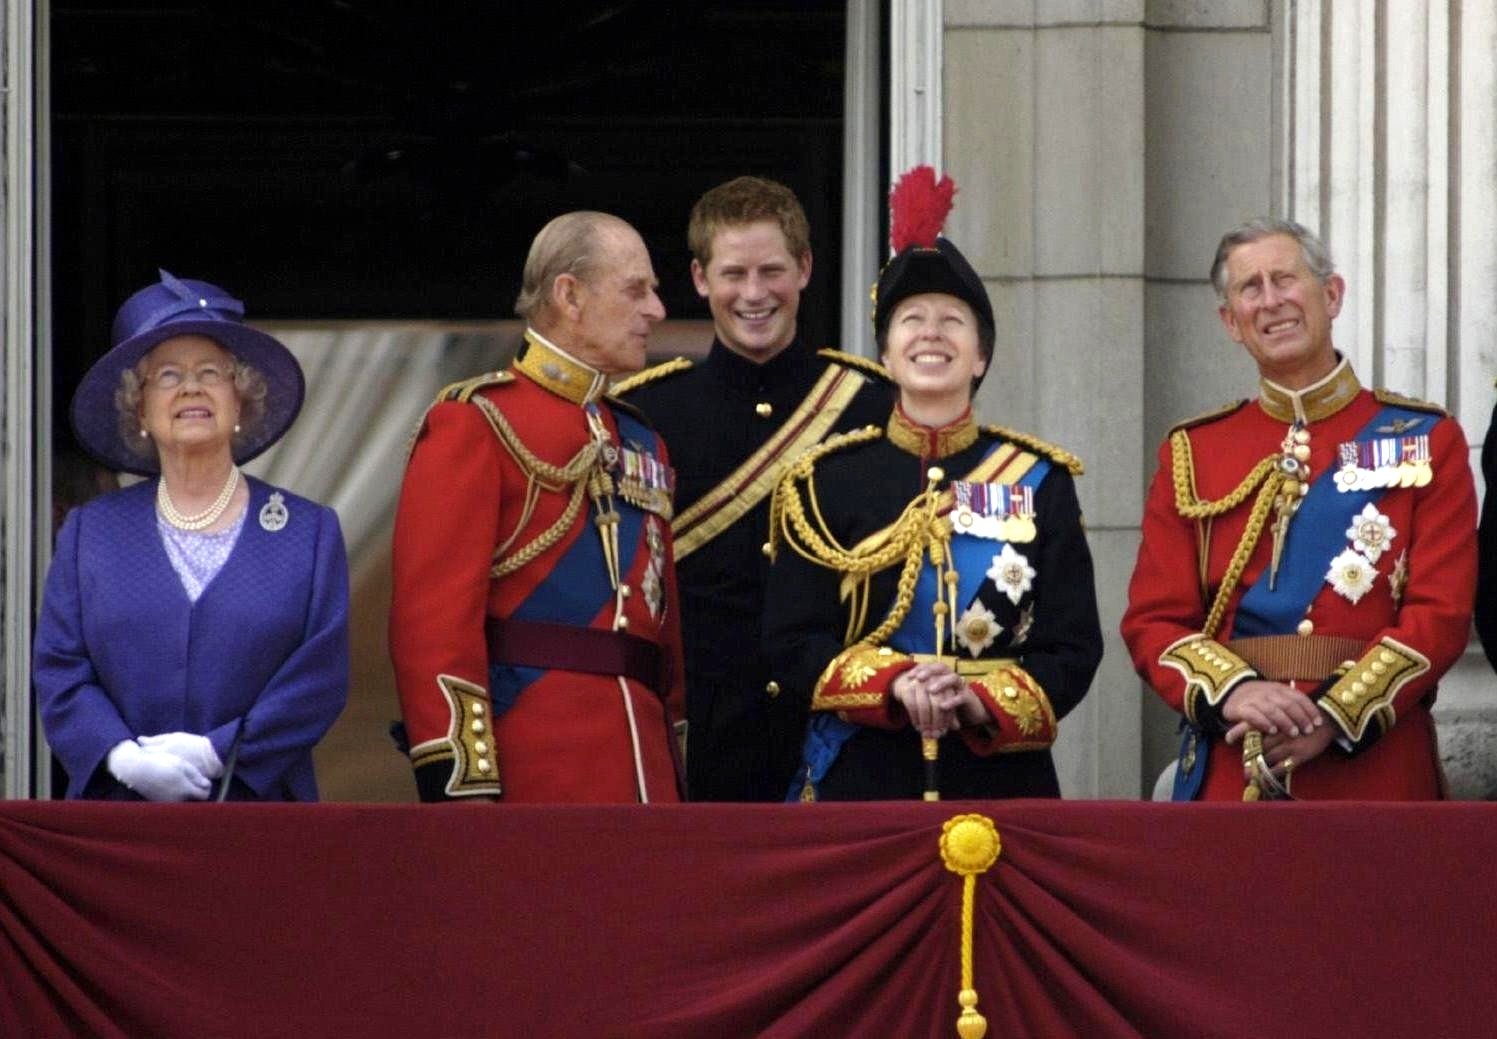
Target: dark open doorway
pixel 363 159
pixel 358 162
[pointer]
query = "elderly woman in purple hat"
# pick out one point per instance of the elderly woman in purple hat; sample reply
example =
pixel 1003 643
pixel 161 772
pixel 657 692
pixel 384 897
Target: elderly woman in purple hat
pixel 193 640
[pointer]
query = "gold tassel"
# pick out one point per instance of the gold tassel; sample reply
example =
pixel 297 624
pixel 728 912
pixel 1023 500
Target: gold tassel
pixel 969 846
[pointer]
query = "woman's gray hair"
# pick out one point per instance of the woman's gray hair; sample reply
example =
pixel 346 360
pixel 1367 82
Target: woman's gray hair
pixel 569 244
pixel 249 384
pixel 1317 257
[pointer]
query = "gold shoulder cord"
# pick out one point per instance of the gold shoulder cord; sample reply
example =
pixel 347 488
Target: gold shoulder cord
pixel 918 529
pixel 1058 455
pixel 649 375
pixel 1189 504
pixel 539 475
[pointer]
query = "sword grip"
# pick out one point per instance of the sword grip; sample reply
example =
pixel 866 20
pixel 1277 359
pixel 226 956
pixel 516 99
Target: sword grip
pixel 930 751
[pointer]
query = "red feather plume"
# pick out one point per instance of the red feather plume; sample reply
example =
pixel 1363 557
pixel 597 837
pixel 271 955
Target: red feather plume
pixel 918 205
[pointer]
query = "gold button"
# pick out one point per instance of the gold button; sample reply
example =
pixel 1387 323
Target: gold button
pixel 1358 687
pixel 1379 668
pixel 1386 657
pixel 1368 676
pixel 478 710
pixel 773 688
pixel 1010 692
pixel 935 472
pixel 621 624
pixel 1302 452
pixel 1305 626
pixel 480 747
pixel 1347 696
pixel 625 591
pixel 766 548
pixel 483 764
pixel 1301 436
pixel 764 409
pixel 477 725
pixel 885 651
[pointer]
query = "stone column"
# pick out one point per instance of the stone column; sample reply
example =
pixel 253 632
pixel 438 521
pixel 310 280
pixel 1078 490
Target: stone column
pixel 1211 101
pixel 1390 155
pixel 25 369
pixel 1043 132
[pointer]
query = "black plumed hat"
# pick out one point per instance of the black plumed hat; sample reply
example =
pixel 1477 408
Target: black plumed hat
pixel 923 261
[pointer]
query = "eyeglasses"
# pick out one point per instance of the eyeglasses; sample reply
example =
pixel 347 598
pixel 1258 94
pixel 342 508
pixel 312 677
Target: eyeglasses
pixel 169 377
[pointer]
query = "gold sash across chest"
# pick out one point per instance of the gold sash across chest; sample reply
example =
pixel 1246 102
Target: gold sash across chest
pixel 748 485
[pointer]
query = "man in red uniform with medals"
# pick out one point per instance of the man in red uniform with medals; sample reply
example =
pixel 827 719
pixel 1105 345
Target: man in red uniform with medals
pixel 534 624
pixel 1308 558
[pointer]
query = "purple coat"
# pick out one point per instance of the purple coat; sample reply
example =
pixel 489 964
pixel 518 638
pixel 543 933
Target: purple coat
pixel 121 652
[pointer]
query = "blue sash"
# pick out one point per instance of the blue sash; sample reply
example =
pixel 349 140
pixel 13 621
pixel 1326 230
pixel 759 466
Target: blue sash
pixel 972 557
pixel 827 734
pixel 1315 537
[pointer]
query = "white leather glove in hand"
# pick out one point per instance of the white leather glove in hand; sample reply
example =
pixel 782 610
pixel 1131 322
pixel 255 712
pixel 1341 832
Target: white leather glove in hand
pixel 190 747
pixel 156 775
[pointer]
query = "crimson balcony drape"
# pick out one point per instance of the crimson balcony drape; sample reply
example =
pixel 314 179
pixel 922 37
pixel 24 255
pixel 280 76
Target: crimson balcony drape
pixel 1099 919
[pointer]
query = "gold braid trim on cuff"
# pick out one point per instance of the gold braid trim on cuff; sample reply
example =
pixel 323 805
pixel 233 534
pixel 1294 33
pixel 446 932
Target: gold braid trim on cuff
pixel 853 668
pixel 1364 694
pixel 1015 692
pixel 1209 669
pixel 475 768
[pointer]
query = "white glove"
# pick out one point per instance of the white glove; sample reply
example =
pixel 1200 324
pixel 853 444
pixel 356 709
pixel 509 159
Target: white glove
pixel 190 747
pixel 155 774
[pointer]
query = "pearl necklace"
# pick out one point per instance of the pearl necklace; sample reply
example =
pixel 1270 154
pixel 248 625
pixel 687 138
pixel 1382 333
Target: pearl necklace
pixel 208 516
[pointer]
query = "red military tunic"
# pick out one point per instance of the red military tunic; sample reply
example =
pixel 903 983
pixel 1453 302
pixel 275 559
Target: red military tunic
pixel 499 522
pixel 1371 602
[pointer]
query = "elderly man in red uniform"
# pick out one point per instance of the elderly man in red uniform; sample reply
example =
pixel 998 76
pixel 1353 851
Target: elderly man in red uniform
pixel 1308 559
pixel 533 626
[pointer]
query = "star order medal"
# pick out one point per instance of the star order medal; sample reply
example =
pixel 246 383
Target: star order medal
pixel 273 514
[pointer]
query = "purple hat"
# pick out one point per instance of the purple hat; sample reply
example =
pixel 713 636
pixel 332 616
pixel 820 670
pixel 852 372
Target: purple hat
pixel 179 307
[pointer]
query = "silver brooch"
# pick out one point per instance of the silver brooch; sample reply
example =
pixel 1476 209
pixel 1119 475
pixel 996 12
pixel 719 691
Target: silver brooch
pixel 273 514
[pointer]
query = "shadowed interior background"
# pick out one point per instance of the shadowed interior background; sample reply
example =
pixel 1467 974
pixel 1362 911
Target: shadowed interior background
pixel 367 177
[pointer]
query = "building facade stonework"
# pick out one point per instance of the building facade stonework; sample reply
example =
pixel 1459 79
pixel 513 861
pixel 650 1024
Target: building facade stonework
pixel 1100 147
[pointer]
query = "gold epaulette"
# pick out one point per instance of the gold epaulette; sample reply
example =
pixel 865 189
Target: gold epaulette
pixel 808 459
pixel 649 375
pixel 1056 454
pixel 463 390
pixel 862 364
pixel 1209 416
pixel 1412 403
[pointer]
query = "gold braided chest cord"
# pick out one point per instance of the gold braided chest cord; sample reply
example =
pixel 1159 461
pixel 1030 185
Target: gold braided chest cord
pixel 918 529
pixel 539 475
pixel 1189 504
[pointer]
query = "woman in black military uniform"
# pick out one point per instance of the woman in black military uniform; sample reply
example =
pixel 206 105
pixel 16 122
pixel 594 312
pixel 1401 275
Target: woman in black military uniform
pixel 932 589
